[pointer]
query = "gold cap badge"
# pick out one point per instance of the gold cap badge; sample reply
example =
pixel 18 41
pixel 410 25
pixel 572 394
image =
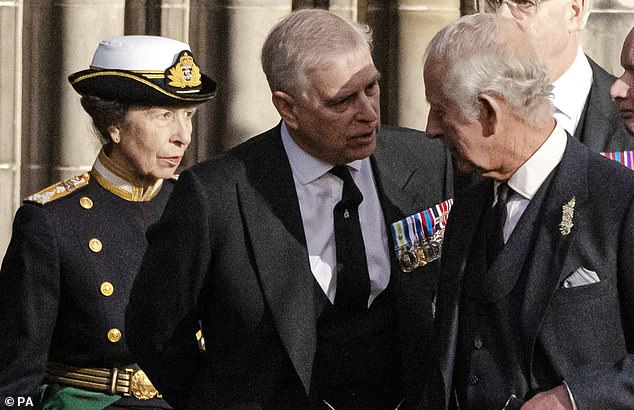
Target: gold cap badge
pixel 185 73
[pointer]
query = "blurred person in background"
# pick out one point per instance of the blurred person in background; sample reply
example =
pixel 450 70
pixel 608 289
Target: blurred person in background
pixel 621 90
pixel 581 88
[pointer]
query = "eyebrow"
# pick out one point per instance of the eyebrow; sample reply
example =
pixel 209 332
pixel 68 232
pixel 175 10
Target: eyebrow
pixel 498 3
pixel 345 93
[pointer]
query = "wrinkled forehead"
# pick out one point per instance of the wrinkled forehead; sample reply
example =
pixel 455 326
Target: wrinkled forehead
pixel 329 56
pixel 434 77
pixel 353 68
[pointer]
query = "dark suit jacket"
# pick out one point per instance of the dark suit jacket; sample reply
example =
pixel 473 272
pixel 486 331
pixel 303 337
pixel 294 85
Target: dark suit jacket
pixel 600 126
pixel 584 334
pixel 230 252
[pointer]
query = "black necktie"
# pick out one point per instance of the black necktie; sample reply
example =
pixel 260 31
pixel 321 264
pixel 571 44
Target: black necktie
pixel 353 281
pixel 496 226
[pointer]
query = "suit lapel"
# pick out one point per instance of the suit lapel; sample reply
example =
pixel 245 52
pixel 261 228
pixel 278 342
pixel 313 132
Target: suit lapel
pixel 273 220
pixel 392 190
pixel 395 197
pixel 398 200
pixel 545 268
pixel 600 127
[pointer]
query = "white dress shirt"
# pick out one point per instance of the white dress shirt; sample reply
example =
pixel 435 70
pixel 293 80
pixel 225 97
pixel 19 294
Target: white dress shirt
pixel 530 176
pixel 570 92
pixel 318 192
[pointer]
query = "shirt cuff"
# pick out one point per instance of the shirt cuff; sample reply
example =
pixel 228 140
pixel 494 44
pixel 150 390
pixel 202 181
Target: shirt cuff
pixel 572 399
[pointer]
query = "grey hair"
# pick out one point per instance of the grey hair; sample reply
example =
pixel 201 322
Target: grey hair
pixel 478 63
pixel 304 40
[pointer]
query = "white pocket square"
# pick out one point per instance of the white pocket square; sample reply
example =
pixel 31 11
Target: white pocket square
pixel 580 277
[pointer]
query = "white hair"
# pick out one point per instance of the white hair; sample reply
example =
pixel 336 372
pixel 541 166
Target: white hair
pixel 478 63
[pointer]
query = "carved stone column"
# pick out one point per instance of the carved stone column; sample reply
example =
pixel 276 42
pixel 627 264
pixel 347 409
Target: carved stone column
pixel 10 113
pixel 471 6
pixel 310 4
pixel 143 17
pixel 64 34
pixel 175 19
pixel 605 31
pixel 227 36
pixel 414 23
pixel 77 145
pixel 376 14
pixel 345 8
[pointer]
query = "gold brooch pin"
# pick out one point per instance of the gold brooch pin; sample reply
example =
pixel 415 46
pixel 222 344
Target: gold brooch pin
pixel 568 212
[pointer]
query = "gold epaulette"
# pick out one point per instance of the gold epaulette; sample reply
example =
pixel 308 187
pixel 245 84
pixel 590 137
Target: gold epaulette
pixel 59 189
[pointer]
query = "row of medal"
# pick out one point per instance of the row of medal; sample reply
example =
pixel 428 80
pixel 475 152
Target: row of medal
pixel 418 238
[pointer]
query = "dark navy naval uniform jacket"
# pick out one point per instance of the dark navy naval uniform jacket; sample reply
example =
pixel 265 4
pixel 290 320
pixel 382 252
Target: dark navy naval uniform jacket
pixel 65 279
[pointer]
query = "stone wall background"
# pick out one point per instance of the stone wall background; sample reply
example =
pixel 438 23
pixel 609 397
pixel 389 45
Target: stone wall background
pixel 45 136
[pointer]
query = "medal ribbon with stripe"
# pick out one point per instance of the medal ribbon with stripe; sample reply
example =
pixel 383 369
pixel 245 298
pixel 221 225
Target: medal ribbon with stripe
pixel 418 238
pixel 623 157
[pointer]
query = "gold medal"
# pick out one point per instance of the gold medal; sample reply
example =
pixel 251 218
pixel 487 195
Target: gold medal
pixel 407 260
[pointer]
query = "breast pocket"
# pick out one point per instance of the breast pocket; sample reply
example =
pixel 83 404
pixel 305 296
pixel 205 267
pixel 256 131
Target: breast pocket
pixel 585 322
pixel 578 294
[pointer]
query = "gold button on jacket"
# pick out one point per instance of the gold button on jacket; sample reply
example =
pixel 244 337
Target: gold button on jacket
pixel 106 288
pixel 95 245
pixel 94 254
pixel 114 335
pixel 85 202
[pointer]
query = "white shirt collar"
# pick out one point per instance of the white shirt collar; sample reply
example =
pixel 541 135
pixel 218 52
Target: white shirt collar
pixel 570 91
pixel 117 180
pixel 532 174
pixel 306 167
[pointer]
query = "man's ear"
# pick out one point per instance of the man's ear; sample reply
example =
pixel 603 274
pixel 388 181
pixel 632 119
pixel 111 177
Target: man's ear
pixel 490 112
pixel 575 12
pixel 285 105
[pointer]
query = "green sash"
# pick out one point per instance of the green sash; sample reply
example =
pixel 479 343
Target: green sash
pixel 55 397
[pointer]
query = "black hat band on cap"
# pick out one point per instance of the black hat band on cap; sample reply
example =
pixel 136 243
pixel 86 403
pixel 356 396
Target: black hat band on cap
pixel 181 83
pixel 136 88
pixel 107 73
